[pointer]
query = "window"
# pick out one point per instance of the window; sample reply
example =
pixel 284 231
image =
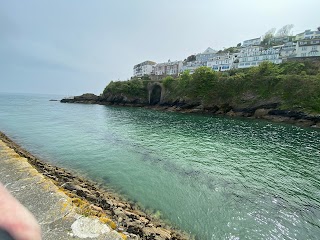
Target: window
pixel 225 67
pixel 303 54
pixel 314 47
pixel 304 48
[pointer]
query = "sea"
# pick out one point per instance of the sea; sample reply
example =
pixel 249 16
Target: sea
pixel 214 177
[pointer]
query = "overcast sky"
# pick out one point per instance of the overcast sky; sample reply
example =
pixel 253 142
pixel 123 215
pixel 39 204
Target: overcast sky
pixel 77 46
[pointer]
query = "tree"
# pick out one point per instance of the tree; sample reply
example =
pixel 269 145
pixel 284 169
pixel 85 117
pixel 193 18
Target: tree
pixel 167 81
pixel 268 36
pixel 286 30
pixel 203 79
pixel 239 44
pixel 191 58
pixel 184 79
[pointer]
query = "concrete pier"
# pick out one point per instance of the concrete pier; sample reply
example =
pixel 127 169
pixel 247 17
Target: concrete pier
pixel 52 208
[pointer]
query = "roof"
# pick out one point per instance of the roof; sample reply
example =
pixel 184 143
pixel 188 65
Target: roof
pixel 209 50
pixel 259 38
pixel 144 63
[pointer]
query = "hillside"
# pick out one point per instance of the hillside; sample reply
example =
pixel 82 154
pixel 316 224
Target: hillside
pixel 289 90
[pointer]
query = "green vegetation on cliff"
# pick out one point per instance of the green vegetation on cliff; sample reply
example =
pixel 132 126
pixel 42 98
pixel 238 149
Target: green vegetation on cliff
pixel 131 88
pixel 292 85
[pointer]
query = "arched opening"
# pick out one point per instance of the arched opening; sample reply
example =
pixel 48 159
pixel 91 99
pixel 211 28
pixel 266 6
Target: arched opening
pixel 155 95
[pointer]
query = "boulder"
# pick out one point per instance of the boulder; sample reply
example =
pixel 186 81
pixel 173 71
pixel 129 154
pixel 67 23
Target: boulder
pixel 260 113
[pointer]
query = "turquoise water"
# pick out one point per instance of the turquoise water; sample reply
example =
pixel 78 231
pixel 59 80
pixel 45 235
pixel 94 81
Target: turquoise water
pixel 216 177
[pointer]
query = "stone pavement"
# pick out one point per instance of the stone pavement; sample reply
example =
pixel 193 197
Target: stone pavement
pixel 52 208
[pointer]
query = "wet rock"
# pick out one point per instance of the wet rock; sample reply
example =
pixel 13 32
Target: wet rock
pixel 143 220
pixel 119 212
pixel 131 214
pixel 113 235
pixel 104 204
pixel 163 233
pixel 96 208
pixel 135 230
pixel 69 186
pixel 259 113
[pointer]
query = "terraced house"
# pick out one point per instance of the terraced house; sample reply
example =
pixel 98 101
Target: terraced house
pixel 252 56
pixel 308 48
pixel 252 53
pixel 205 56
pixel 308 34
pixel 288 50
pixel 223 62
pixel 192 66
pixel 144 68
pixel 251 42
pixel 168 68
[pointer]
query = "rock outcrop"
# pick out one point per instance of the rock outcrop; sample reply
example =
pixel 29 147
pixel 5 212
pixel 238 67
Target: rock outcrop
pixel 269 110
pixel 89 98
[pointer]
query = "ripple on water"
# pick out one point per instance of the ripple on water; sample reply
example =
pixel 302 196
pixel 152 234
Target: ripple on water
pixel 220 178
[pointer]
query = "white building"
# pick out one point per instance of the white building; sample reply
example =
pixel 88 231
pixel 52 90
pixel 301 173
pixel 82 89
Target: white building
pixel 168 68
pixel 307 34
pixel 223 62
pixel 281 40
pixel 206 55
pixel 192 66
pixel 308 48
pixel 144 68
pixel 253 56
pixel 288 50
pixel 252 42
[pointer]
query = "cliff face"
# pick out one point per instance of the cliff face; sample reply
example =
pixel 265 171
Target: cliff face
pixel 269 109
pixel 123 99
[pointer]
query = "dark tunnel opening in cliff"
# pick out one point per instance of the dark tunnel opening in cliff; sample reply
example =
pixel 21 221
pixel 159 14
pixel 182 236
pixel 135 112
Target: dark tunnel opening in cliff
pixel 155 96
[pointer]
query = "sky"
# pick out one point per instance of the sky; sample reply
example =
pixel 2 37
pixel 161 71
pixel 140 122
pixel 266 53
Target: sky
pixel 77 46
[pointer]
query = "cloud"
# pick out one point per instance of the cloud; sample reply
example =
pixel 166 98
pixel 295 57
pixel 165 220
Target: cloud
pixel 40 54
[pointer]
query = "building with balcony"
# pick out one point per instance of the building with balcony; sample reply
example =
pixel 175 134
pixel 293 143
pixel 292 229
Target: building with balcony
pixel 307 34
pixel 168 68
pixel 192 66
pixel 206 55
pixel 144 68
pixel 287 50
pixel 280 40
pixel 308 48
pixel 223 61
pixel 252 42
pixel 253 56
